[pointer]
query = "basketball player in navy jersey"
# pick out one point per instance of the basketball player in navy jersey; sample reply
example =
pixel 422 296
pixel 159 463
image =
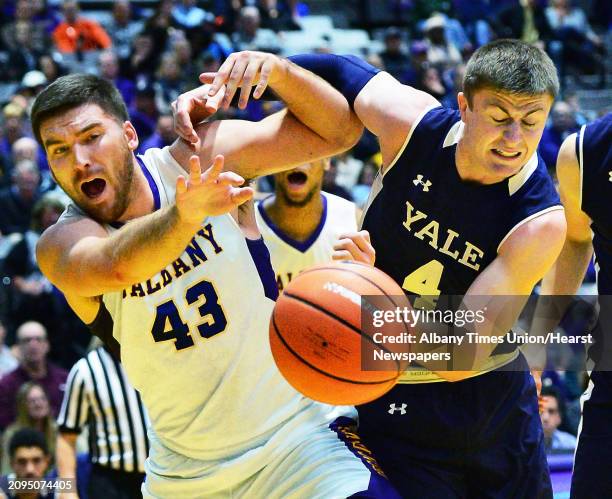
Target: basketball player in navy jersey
pixel 300 223
pixel 151 244
pixel 463 206
pixel 584 170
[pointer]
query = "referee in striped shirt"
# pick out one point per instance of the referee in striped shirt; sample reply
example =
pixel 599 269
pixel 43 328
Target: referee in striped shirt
pixel 98 395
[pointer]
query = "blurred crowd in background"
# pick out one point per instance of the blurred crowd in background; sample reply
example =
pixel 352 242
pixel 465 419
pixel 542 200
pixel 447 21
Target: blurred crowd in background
pixel 155 50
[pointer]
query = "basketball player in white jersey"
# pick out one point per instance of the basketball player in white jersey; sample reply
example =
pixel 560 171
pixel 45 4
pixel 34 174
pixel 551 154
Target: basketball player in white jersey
pixel 148 245
pixel 300 223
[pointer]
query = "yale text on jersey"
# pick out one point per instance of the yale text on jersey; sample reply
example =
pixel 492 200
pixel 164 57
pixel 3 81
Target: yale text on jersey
pixel 428 230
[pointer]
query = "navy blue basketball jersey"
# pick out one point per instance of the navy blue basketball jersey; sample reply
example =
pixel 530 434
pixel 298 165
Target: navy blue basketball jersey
pixel 595 159
pixel 421 211
pixel 435 233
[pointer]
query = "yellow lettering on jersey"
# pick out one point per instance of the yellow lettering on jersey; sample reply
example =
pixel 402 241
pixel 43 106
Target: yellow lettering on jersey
pixel 410 219
pixel 431 230
pixel 449 240
pixel 470 255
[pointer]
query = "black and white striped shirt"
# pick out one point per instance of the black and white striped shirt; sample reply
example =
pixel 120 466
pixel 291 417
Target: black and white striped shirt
pixel 98 394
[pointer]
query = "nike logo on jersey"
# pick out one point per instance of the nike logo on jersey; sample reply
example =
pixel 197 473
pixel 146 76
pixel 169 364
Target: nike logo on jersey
pixel 193 254
pixel 425 184
pixel 419 226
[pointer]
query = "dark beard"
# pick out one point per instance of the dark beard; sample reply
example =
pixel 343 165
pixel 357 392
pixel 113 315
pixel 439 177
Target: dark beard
pixel 293 203
pixel 125 178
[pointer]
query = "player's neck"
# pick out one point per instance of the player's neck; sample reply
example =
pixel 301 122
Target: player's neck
pixel 297 222
pixel 141 198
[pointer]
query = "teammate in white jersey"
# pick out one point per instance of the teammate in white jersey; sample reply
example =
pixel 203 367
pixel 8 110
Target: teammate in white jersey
pixel 301 224
pixel 148 245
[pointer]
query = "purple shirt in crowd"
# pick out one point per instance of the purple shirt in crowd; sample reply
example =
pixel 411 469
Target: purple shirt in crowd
pixel 54 384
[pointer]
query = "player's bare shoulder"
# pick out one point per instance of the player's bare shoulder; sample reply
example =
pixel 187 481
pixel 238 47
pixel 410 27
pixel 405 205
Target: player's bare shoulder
pixel 389 109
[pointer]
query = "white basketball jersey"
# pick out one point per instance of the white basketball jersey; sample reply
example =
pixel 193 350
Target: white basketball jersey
pixel 194 340
pixel 290 257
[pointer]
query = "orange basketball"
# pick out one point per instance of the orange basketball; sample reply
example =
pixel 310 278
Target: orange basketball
pixel 317 338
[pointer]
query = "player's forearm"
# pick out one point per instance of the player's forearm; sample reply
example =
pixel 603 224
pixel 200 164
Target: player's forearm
pixel 317 105
pixel 568 271
pixel 146 245
pixel 65 455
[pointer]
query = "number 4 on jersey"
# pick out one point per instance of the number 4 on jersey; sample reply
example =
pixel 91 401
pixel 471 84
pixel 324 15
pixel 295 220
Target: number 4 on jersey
pixel 424 281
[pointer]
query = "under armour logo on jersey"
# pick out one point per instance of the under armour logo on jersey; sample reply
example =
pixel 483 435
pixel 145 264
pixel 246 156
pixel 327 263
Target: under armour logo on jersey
pixel 419 180
pixel 393 408
pixel 610 179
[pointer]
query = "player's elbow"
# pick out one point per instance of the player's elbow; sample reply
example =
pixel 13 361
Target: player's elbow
pixel 349 134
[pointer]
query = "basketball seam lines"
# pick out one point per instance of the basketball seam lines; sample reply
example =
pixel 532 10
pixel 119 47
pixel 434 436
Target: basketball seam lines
pixel 354 273
pixel 341 321
pixel 315 368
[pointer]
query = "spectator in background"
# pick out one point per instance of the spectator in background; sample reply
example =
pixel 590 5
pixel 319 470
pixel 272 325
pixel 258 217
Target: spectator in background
pixel 169 83
pixel 440 53
pixel 33 412
pixel 45 16
pixel 14 126
pixel 23 21
pixel 26 148
pixel 163 136
pixel 395 58
pixel 23 57
pixel 524 20
pixel 30 459
pixel 32 296
pixel 582 47
pixel 108 64
pixel 33 348
pixel 8 362
pixel 142 63
pixel 329 180
pixel 562 123
pixel 183 54
pixel 159 25
pixel 77 33
pixel 50 67
pixel 555 440
pixel 188 15
pixel 143 112
pixel 17 200
pixel 99 396
pixel 361 190
pixel 122 28
pixel 32 84
pixel 249 34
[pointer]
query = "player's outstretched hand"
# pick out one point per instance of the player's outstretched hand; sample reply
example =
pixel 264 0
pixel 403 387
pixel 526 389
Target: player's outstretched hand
pixel 355 246
pixel 209 193
pixel 192 108
pixel 244 69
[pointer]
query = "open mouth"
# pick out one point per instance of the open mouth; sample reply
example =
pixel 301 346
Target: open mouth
pixel 297 179
pixel 505 154
pixel 94 188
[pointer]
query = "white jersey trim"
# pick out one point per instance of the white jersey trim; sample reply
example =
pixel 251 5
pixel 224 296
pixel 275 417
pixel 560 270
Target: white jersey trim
pixel 518 179
pixel 580 139
pixel 454 135
pixel 410 132
pixel 527 219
